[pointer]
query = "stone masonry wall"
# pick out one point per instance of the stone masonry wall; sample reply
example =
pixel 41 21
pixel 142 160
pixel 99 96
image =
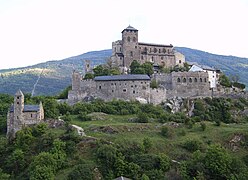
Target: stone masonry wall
pixel 126 90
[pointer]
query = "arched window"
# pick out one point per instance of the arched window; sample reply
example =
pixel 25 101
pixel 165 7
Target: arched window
pixel 152 59
pixel 159 50
pixel 145 49
pixel 128 39
pixel 195 79
pixel 134 39
pixel 200 79
pixel 178 80
pixel 190 80
pixel 131 53
pixel 164 50
pixel 205 79
pixel 155 50
pixel 120 49
pixel 184 79
pixel 180 61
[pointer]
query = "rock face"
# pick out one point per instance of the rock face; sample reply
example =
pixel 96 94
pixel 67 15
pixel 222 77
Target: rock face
pixel 175 104
pixel 80 130
pixel 54 123
pixel 234 143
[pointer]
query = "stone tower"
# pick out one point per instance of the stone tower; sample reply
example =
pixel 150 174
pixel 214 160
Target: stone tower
pixel 87 66
pixel 76 79
pixel 130 45
pixel 15 119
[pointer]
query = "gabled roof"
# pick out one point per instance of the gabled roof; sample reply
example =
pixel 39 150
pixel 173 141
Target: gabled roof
pixel 124 77
pixel 201 66
pixel 19 93
pixel 28 108
pixel 130 28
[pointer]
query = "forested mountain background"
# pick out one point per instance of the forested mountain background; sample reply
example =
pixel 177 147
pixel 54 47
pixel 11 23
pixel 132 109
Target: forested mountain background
pixel 52 77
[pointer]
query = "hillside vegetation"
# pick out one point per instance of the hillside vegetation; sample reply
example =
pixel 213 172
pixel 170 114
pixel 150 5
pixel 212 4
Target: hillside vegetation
pixel 139 141
pixel 56 75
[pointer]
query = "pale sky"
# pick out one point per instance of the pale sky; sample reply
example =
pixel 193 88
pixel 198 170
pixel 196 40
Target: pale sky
pixel 34 31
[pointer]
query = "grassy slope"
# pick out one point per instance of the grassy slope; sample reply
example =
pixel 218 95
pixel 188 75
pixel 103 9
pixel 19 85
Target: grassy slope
pixel 173 145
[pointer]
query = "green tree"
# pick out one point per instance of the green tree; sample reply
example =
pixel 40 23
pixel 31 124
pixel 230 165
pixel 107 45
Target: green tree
pixel 43 166
pixel 4 176
pixel 58 152
pixel 218 162
pixel 225 81
pixel 89 76
pixel 50 108
pixel 41 173
pixel 134 65
pixel 16 162
pixel 148 68
pixel 64 93
pixel 154 84
pixel 82 172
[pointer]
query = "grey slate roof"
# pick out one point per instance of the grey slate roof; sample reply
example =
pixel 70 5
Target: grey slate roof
pixel 156 45
pixel 130 28
pixel 28 108
pixel 124 77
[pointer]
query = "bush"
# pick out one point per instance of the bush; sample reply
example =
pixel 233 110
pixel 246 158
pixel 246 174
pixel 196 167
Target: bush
pixel 142 118
pixel 84 117
pixel 81 172
pixel 193 145
pixel 167 131
pixel 203 126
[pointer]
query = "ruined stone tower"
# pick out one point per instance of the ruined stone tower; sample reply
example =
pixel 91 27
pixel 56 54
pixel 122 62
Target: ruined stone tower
pixel 87 66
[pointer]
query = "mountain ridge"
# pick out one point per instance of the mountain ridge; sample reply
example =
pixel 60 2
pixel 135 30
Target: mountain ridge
pixel 55 75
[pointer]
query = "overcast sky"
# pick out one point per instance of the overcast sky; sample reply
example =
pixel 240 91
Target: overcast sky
pixel 34 31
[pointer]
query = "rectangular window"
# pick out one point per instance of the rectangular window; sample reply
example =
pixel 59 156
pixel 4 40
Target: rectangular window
pixel 133 92
pixel 31 115
pixel 100 87
pixel 124 90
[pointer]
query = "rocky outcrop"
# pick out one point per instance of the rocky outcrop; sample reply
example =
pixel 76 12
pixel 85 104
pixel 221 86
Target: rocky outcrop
pixel 79 130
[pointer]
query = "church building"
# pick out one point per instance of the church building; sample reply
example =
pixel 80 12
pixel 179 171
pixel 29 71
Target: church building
pixel 21 115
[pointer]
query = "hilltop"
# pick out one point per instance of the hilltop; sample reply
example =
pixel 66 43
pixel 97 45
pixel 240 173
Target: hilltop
pixel 54 76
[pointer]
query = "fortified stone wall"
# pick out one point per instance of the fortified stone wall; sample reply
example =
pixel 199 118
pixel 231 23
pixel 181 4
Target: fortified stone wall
pixel 164 80
pixel 127 90
pixel 83 89
pixel 190 84
pixel 157 95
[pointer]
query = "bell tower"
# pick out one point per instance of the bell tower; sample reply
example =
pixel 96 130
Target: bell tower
pixel 18 111
pixel 130 45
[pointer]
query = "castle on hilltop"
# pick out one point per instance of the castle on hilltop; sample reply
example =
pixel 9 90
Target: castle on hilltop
pixel 21 115
pixel 129 48
pixel 198 81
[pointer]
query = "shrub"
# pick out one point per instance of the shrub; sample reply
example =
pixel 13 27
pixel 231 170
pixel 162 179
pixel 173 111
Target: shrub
pixel 167 131
pixel 203 126
pixel 193 145
pixel 84 117
pixel 81 172
pixel 142 118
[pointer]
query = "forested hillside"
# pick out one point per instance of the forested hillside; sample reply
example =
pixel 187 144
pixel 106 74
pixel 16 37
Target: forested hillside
pixel 138 141
pixel 56 75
